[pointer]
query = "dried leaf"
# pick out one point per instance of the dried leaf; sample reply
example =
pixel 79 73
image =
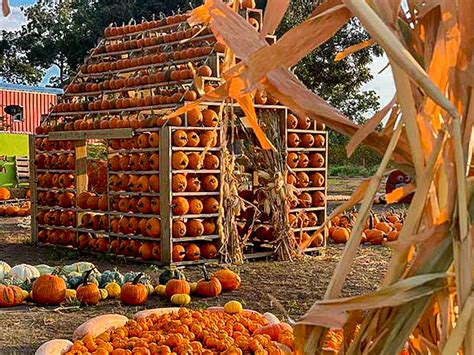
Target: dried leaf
pixel 399 193
pixel 274 13
pixel 353 49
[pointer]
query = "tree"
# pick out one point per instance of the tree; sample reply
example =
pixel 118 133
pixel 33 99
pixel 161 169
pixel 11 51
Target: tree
pixel 61 33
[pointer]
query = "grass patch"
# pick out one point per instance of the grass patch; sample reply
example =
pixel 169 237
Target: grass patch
pixel 351 171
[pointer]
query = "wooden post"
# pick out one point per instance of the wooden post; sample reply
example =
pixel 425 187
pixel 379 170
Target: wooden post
pixel 165 196
pixel 33 188
pixel 81 174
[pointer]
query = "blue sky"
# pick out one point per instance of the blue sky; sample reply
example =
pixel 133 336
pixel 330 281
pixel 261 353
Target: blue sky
pixel 382 83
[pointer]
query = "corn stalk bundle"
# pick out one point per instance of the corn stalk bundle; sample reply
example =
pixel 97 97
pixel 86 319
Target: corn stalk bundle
pixel 430 49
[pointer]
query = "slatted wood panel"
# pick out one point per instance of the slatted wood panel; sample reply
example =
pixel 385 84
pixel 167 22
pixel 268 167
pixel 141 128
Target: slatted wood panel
pixel 22 170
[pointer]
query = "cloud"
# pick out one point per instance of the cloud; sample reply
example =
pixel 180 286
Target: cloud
pixel 14 21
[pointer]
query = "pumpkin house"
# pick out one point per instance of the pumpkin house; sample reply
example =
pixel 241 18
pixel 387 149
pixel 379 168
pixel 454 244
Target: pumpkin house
pixel 162 190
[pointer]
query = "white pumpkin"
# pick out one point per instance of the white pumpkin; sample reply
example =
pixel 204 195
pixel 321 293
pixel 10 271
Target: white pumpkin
pixel 80 267
pixel 99 324
pixel 4 270
pixel 54 347
pixel 44 269
pixel 156 311
pixel 24 272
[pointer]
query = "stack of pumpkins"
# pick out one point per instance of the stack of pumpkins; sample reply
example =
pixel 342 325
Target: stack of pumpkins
pixel 378 228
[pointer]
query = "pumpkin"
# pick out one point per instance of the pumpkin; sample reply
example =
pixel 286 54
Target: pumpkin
pixel 304 122
pixel 319 141
pixel 210 118
pixel 180 299
pixel 340 235
pixel 312 219
pixel 4 193
pixel 133 293
pixel 292 160
pixel 88 292
pixel 208 251
pixel 211 205
pixel 153 228
pixel 179 183
pixel 209 226
pixel 180 206
pixel 293 140
pixel 103 294
pixel 318 199
pixel 113 289
pixel 193 139
pixel 4 270
pixel 195 228
pixel 318 240
pixel 100 324
pixel 178 229
pixel 307 140
pixel 177 286
pixel 160 290
pixel 316 180
pixel 273 330
pixel 208 286
pixel 193 184
pixel 55 346
pixel 10 295
pixel 393 235
pixel 144 206
pixel 194 161
pixel 194 117
pixel 195 206
pixel 208 139
pixel 180 138
pixel 192 252
pixel 316 160
pixel 302 179
pixel 170 273
pixel 146 251
pixel 70 294
pixel 49 290
pixel 178 253
pixel 210 183
pixel 303 161
pixel 233 307
pixel 24 272
pixel 384 227
pixel 179 160
pixel 229 280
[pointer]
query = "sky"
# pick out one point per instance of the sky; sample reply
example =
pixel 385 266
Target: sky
pixel 382 84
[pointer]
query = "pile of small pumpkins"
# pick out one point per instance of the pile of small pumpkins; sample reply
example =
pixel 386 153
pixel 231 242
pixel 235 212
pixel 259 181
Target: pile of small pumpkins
pixel 82 283
pixel 22 209
pixel 218 330
pixel 378 228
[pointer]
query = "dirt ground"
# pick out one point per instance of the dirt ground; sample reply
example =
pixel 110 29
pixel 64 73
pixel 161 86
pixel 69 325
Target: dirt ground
pixel 286 289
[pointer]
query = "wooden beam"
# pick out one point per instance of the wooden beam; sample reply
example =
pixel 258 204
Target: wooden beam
pixel 81 172
pixel 165 196
pixel 117 133
pixel 33 187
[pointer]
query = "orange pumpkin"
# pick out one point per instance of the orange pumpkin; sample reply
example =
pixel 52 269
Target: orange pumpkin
pixel 179 160
pixel 293 140
pixel 319 141
pixel 305 200
pixel 195 228
pixel 303 161
pixel 211 205
pixel 194 161
pixel 302 179
pixel 316 160
pixel 180 138
pixel 154 183
pixel 195 206
pixel 192 252
pixel 194 118
pixel 318 198
pixel 318 240
pixel 83 198
pixel 316 180
pixel 304 122
pixel 179 285
pixel 154 161
pixel 179 183
pixel 229 280
pixel 210 118
pixel 144 205
pixel 154 140
pixel 340 235
pixel 211 162
pixel 292 121
pixel 210 183
pixel 193 184
pixel 307 140
pixel 180 206
pixel 153 228
pixel 143 183
pixel 178 229
pixel 209 226
pixel 292 160
pixel 208 251
pixel 208 139
pixel 193 139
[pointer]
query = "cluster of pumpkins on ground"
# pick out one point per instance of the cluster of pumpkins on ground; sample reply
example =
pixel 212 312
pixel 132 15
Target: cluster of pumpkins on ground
pixel 13 209
pixel 217 330
pixel 81 283
pixel 378 228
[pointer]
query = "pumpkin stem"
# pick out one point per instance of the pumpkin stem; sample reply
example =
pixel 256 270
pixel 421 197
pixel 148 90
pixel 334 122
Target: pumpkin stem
pixel 137 278
pixel 86 276
pixel 205 272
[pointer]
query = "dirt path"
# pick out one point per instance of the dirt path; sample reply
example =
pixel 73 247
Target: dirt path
pixel 296 285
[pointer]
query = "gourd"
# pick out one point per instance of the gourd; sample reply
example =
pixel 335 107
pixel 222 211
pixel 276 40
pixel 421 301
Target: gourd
pixel 80 267
pixel 233 307
pixel 170 273
pixel 160 290
pixel 109 276
pixel 131 275
pixel 229 280
pixel 113 288
pixel 24 272
pixel 10 295
pixel 103 293
pixel 133 293
pixel 4 270
pixel 49 290
pixel 180 299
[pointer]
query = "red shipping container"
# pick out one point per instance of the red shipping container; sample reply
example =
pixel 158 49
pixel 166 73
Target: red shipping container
pixel 36 101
